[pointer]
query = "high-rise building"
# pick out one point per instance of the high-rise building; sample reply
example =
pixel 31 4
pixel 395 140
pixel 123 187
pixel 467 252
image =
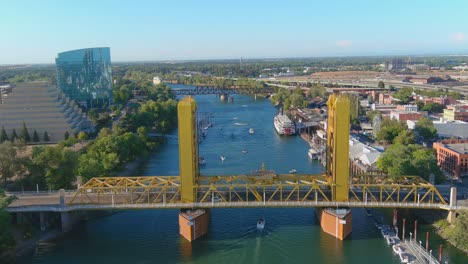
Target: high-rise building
pixel 85 76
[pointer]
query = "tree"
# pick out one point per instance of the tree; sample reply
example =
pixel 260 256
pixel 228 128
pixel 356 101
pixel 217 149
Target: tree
pixel 66 135
pixel 14 135
pixel 6 239
pixel 459 234
pixel 398 160
pixel 405 95
pixel 59 165
pixel 24 135
pixel 425 129
pixel 433 108
pixel 82 136
pixel 389 129
pixel 35 136
pixel 405 137
pixel 3 135
pixel 46 137
pixel 381 85
pixel 9 163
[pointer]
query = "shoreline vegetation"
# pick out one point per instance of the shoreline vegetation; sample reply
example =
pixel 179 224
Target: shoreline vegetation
pixel 456 233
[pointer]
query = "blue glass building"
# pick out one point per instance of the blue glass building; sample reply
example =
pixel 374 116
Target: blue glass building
pixel 85 76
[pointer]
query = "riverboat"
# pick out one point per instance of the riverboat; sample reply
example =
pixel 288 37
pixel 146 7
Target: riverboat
pixel 283 125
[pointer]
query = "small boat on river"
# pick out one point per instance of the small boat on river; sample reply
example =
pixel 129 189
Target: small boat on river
pixel 251 131
pixel 222 157
pixel 261 223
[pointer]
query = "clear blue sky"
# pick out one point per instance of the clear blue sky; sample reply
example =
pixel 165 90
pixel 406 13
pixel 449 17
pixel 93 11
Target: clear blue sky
pixel 35 31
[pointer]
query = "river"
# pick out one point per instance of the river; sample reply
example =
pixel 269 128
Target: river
pixel 290 236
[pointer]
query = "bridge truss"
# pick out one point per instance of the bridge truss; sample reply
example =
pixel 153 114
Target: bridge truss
pixel 267 190
pixel 210 90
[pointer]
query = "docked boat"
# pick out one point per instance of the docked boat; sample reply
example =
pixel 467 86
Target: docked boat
pixel 283 125
pixel 312 154
pixel 293 171
pixel 201 161
pixel 390 240
pixel 261 223
pixel 397 249
pixel 251 131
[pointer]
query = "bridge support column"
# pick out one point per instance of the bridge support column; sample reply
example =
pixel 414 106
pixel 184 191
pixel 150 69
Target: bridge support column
pixel 69 220
pixel 43 220
pixel 336 222
pixel 453 202
pixel 193 223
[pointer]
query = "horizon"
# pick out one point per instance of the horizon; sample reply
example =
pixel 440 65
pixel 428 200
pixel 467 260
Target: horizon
pixel 210 30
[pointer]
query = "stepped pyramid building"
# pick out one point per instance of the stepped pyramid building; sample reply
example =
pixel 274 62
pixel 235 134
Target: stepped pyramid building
pixel 42 107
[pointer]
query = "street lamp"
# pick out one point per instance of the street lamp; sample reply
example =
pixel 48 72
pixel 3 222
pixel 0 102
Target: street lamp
pixel 420 247
pixel 410 235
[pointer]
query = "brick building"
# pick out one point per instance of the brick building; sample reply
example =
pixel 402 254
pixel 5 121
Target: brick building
pixel 456 112
pixel 404 116
pixel 452 157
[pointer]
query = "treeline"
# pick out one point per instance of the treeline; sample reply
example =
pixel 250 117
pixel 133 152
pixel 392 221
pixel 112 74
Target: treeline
pixel 27 74
pixel 24 135
pixel 295 98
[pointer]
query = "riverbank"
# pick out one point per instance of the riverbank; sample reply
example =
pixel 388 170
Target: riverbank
pixel 444 229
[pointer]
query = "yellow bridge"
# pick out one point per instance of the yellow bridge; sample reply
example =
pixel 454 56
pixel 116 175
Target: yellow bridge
pixel 336 188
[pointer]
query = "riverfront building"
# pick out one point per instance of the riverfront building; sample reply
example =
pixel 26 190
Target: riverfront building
pixel 85 76
pixel 452 157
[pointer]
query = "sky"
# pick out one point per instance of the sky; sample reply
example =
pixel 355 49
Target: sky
pixel 160 30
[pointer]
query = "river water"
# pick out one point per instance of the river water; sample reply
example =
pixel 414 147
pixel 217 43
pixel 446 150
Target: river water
pixel 290 236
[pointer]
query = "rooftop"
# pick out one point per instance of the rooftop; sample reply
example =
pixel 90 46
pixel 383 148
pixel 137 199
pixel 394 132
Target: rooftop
pixel 461 148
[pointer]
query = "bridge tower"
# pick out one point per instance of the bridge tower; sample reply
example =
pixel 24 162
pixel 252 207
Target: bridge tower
pixel 193 223
pixel 334 221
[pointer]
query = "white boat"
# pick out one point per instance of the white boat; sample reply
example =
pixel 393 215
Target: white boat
pixel 201 161
pixel 244 151
pixel 312 154
pixel 222 157
pixel 293 171
pixel 251 131
pixel 397 249
pixel 389 240
pixel 404 258
pixel 283 125
pixel 261 223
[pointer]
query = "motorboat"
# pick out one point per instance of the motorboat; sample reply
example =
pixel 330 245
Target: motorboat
pixel 222 157
pixel 404 258
pixel 397 249
pixel 261 223
pixel 201 161
pixel 244 151
pixel 312 154
pixel 251 131
pixel 390 240
pixel 293 171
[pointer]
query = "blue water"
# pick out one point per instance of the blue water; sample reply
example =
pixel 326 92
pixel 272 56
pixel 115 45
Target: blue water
pixel 290 235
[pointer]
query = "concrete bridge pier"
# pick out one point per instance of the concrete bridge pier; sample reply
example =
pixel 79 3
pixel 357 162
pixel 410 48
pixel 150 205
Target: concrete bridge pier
pixel 193 223
pixel 69 220
pixel 453 202
pixel 336 222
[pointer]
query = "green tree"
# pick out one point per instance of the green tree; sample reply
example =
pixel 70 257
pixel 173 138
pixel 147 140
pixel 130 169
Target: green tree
pixel 459 234
pixel 59 166
pixel 381 85
pixel 82 136
pixel 14 135
pixel 405 95
pixel 3 135
pixel 66 135
pixel 35 136
pixel 389 129
pixel 46 137
pixel 425 129
pixel 405 137
pixel 9 163
pixel 24 134
pixel 398 160
pixel 6 239
pixel 433 108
